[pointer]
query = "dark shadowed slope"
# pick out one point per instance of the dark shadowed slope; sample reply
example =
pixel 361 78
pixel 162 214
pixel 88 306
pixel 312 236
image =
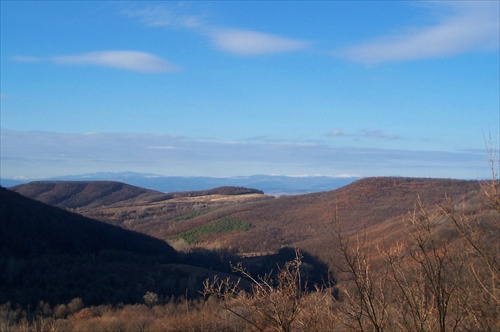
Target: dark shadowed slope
pixel 52 255
pixel 49 254
pixel 29 229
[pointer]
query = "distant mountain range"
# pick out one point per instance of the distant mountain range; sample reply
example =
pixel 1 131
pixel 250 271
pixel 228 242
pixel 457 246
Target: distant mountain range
pixel 269 184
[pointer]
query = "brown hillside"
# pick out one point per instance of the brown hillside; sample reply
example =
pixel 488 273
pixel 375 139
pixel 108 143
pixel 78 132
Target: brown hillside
pixel 50 254
pixel 86 194
pixel 132 207
pixel 30 229
pixel 371 205
pixel 367 205
pixel 96 194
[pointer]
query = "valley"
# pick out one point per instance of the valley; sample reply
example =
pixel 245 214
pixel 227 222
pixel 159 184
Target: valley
pixel 372 205
pixel 200 235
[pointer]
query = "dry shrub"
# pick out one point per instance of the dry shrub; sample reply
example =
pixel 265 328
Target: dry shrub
pixel 274 303
pixel 429 280
pixel 85 313
pixel 192 321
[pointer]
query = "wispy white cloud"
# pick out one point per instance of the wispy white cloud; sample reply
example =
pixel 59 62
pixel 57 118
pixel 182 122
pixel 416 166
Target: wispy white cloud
pixel 467 26
pixel 250 43
pixel 43 154
pixel 161 147
pixel 128 60
pixel 163 16
pixel 379 134
pixel 235 41
pixel 348 175
pixel 21 58
pixel 336 133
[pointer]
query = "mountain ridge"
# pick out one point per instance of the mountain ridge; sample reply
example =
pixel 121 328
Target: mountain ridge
pixel 25 217
pixel 367 205
pixel 52 255
pixel 270 184
pixel 286 220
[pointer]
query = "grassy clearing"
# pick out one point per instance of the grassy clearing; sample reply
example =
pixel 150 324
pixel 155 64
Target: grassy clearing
pixel 190 216
pixel 222 225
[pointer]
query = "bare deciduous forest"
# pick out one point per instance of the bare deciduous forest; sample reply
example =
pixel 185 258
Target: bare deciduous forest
pixel 431 267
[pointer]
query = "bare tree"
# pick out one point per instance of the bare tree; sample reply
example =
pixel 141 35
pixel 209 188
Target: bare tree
pixel 429 274
pixel 420 283
pixel 272 302
pixel 480 234
pixel 365 294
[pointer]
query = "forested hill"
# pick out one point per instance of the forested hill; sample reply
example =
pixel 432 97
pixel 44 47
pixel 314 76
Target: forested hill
pixel 79 194
pixel 49 254
pixel 53 255
pixel 98 194
pixel 270 184
pixel 370 204
pixel 30 229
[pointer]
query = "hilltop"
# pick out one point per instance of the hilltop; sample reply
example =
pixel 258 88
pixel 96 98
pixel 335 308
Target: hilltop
pixel 92 194
pixel 367 205
pixel 270 184
pixel 130 206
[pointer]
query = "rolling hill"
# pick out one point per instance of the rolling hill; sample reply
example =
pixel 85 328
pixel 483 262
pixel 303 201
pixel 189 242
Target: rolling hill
pixel 86 194
pixel 52 255
pixel 213 227
pixel 30 229
pixel 132 207
pixel 270 184
pixel 370 205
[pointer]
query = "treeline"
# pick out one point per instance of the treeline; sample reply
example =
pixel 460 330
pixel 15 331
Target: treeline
pixel 79 194
pixel 225 190
pixel 170 314
pixel 108 277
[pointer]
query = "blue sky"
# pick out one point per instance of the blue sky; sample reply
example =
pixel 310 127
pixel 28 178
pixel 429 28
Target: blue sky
pixel 368 88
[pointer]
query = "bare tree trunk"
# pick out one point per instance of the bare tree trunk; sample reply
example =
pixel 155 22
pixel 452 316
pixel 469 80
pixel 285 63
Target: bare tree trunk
pixel 366 294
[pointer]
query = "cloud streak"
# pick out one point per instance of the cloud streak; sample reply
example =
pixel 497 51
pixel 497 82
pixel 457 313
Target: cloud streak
pixel 128 60
pixel 251 43
pixel 125 60
pixel 234 41
pixel 471 26
pixel 63 154
pixel 162 16
pixel 378 134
